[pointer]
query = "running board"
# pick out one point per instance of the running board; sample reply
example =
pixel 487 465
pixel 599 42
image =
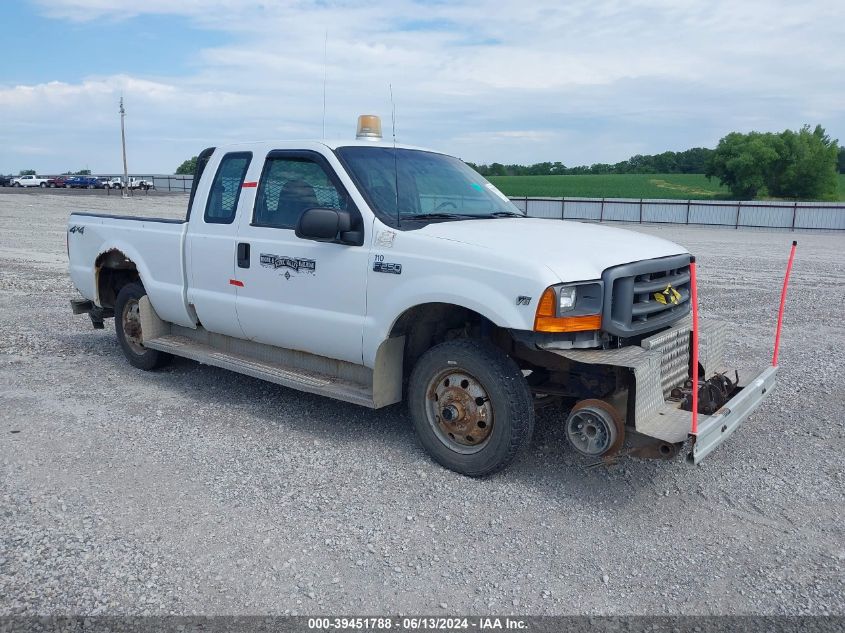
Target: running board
pixel 374 388
pixel 303 380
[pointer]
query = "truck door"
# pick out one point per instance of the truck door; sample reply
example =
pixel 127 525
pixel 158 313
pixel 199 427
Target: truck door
pixel 300 294
pixel 210 247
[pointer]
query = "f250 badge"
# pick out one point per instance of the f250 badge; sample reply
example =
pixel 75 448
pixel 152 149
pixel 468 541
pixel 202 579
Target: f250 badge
pixel 296 264
pixel 381 266
pixel 77 229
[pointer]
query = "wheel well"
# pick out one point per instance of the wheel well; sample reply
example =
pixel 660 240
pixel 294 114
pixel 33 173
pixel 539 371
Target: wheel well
pixel 428 324
pixel 113 270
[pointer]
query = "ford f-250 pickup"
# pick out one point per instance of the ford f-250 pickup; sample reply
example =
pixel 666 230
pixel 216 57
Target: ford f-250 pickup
pixel 373 272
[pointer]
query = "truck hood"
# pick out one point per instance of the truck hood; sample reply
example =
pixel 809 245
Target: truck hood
pixel 574 251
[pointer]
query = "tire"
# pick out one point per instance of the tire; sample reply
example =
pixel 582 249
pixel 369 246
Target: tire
pixel 17 184
pixel 43 185
pixel 137 355
pixel 453 419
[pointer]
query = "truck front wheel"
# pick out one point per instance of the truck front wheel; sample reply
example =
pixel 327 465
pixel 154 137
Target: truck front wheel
pixel 127 324
pixel 471 406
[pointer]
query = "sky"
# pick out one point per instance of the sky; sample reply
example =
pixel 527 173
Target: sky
pixel 576 81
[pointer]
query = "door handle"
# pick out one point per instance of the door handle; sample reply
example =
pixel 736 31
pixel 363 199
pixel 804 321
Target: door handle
pixel 243 255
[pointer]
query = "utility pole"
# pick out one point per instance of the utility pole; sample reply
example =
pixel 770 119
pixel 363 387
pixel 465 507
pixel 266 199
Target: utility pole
pixel 123 144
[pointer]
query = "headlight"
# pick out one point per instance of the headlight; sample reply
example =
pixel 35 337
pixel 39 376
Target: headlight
pixel 566 298
pixel 570 308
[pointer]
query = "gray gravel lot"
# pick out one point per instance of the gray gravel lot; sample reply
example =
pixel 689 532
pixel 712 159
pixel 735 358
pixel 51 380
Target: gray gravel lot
pixel 194 490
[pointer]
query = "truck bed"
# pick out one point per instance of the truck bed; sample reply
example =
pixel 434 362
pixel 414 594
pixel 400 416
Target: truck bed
pixel 155 245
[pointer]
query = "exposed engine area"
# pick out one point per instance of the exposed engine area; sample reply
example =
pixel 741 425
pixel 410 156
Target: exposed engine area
pixel 713 393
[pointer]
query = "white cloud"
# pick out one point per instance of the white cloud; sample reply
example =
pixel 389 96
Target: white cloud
pixel 581 81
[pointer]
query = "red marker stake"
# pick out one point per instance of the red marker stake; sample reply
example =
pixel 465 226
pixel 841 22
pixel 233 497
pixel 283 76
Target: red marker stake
pixel 694 299
pixel 783 303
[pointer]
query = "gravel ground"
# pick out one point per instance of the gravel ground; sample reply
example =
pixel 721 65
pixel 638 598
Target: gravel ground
pixel 194 490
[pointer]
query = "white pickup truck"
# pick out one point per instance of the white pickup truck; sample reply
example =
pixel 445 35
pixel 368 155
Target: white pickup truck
pixel 30 181
pixel 373 273
pixel 134 183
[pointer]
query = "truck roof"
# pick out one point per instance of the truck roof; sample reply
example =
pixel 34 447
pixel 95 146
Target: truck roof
pixel 330 143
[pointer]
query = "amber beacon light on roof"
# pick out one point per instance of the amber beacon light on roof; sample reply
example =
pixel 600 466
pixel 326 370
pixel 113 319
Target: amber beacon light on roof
pixel 369 128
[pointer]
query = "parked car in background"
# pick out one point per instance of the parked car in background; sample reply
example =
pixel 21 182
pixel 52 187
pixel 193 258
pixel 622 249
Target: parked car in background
pixel 29 181
pixel 141 183
pixel 113 183
pixel 59 181
pixel 84 182
pixel 5 181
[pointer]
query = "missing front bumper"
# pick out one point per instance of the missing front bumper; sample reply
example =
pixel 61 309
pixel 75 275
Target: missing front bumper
pixel 715 429
pixel 660 363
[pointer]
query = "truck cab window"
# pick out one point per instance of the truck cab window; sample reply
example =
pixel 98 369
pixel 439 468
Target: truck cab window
pixel 226 188
pixel 288 187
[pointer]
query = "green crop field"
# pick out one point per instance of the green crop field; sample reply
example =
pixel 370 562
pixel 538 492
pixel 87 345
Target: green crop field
pixel 676 186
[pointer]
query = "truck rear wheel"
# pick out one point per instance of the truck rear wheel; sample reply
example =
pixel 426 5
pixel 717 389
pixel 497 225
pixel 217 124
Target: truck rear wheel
pixel 127 324
pixel 471 406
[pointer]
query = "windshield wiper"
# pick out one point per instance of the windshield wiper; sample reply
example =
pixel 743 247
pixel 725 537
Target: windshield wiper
pixel 502 214
pixel 435 216
pixel 461 216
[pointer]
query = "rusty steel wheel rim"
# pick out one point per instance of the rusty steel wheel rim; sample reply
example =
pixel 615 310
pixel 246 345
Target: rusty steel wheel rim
pixel 459 411
pixel 131 320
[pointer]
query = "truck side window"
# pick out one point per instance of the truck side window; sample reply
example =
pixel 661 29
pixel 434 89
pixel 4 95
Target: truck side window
pixel 226 188
pixel 288 187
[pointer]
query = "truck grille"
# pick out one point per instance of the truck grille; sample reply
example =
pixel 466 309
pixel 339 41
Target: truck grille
pixel 630 306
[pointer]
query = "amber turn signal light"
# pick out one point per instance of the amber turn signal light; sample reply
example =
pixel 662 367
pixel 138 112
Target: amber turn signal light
pixel 546 321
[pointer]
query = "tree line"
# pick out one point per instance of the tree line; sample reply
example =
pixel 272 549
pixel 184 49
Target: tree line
pixel 691 161
pixel 799 164
pixel 32 172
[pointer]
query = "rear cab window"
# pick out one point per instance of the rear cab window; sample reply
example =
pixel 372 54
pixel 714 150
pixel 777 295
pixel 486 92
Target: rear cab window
pixel 222 203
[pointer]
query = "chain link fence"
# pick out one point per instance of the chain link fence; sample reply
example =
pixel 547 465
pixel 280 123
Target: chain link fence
pixel 778 215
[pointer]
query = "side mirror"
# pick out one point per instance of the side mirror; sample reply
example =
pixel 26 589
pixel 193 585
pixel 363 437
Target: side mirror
pixel 324 225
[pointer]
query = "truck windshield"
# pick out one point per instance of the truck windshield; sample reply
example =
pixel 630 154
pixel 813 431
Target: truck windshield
pixel 430 186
